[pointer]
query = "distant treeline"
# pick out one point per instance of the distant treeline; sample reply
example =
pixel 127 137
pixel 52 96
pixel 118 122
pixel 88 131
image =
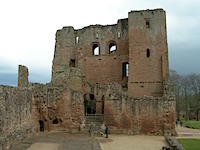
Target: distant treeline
pixel 187 92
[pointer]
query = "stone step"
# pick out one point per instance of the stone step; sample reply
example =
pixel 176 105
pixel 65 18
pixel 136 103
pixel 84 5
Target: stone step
pixel 94 117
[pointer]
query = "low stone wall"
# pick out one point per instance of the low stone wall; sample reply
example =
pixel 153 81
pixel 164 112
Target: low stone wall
pixel 175 145
pixel 148 115
pixel 15 120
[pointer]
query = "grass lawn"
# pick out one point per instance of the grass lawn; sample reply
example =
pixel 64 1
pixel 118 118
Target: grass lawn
pixel 190 144
pixel 192 124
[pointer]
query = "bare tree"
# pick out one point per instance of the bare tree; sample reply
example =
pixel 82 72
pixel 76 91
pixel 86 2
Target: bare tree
pixel 187 92
pixel 176 80
pixel 194 81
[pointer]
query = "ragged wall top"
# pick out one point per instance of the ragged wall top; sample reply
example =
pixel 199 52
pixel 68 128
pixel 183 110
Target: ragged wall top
pixel 135 49
pixel 89 49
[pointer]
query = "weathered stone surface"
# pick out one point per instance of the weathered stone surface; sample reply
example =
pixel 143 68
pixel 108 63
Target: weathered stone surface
pixel 22 76
pixel 15 109
pixel 115 75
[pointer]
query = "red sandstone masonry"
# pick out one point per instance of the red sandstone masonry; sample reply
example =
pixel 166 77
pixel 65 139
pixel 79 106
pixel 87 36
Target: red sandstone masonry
pixel 140 103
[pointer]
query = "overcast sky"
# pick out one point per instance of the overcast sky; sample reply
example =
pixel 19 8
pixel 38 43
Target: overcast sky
pixel 28 27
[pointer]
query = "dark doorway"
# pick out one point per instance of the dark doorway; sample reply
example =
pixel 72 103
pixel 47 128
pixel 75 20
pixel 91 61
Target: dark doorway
pixel 90 104
pixel 41 124
pixel 103 100
pixel 72 63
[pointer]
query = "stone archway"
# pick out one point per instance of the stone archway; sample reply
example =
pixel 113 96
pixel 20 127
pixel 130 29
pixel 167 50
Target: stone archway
pixel 90 103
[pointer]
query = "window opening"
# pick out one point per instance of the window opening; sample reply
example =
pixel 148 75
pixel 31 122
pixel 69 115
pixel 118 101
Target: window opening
pixel 112 47
pixel 103 101
pixel 72 63
pixel 147 23
pixel 96 50
pixel 148 53
pixel 125 69
pixel 118 34
pixel 97 35
pixel 77 38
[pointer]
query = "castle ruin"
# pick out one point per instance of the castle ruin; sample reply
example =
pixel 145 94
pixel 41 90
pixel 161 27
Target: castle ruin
pixel 115 74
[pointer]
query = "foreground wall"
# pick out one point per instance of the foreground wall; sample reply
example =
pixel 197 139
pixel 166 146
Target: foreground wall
pixel 62 108
pixel 57 108
pixel 15 120
pixel 147 115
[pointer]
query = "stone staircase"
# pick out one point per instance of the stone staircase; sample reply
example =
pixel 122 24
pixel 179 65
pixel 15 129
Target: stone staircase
pixel 93 123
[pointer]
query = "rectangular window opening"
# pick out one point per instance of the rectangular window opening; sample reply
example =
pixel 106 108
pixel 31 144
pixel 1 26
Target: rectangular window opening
pixel 125 69
pixel 77 39
pixel 148 53
pixel 147 23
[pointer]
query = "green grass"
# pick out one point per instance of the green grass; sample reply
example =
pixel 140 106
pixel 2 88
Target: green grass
pixel 190 144
pixel 192 124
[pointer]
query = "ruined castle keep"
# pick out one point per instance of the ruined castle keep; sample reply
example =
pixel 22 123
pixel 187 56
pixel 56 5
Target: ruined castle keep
pixel 115 74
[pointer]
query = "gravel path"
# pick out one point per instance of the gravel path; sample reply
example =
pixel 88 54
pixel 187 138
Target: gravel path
pixel 187 133
pixel 43 146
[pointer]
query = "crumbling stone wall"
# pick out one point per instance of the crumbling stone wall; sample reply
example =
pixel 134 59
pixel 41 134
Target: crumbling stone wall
pixel 146 115
pixel 129 84
pixel 59 108
pixel 139 61
pixel 15 121
pixel 117 71
pixel 77 46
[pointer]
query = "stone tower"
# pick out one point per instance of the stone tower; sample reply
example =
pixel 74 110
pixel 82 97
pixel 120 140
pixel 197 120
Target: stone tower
pixel 148 61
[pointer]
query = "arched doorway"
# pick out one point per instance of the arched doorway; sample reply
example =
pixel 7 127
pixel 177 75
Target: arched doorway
pixel 90 103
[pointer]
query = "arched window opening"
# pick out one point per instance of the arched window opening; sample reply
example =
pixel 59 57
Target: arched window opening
pixel 125 69
pixel 96 49
pixel 148 53
pixel 112 47
pixel 77 39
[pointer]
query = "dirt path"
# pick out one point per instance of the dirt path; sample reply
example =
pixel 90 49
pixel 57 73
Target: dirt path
pixel 63 141
pixel 187 132
pixel 44 146
pixel 134 142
